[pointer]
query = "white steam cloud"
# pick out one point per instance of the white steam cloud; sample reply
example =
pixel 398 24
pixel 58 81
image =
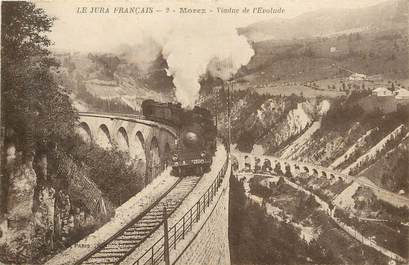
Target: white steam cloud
pixel 192 50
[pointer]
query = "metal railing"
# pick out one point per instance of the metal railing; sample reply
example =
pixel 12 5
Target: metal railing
pixel 156 254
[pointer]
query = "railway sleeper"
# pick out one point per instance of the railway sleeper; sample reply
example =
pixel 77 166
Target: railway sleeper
pixel 114 247
pixel 187 185
pixel 112 255
pixel 150 220
pixel 120 245
pixel 170 207
pixel 172 201
pixel 116 251
pixel 134 235
pixel 142 227
pixel 131 238
pixel 101 260
pixel 98 262
pixel 157 214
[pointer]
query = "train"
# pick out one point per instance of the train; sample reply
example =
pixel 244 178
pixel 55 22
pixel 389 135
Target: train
pixel 196 135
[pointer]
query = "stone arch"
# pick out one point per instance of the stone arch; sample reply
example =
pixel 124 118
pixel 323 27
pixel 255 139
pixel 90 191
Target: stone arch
pixel 306 169
pixel 84 131
pixel 324 174
pixel 281 166
pixel 138 148
pixel 314 171
pixel 277 168
pixel 138 154
pixel 332 176
pixel 267 166
pixel 122 140
pixel 257 163
pixel 103 138
pixel 287 169
pixel 166 155
pixel 154 154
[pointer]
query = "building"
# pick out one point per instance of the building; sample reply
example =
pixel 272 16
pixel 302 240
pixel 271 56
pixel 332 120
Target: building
pixel 402 94
pixel 357 77
pixel 382 92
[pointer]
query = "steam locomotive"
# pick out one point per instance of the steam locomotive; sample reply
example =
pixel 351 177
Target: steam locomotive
pixel 196 141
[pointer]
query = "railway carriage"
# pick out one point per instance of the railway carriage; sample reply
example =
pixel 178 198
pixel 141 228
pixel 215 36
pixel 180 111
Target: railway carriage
pixel 168 113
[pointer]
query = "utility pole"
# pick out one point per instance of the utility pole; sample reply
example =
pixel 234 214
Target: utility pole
pixel 215 96
pixel 1 132
pixel 165 238
pixel 2 199
pixel 228 116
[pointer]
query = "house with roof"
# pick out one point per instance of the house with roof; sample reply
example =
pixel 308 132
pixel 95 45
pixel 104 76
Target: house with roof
pixel 357 77
pixel 382 92
pixel 402 94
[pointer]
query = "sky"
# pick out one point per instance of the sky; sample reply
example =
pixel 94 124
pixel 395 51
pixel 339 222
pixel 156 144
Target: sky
pixel 103 32
pixel 193 45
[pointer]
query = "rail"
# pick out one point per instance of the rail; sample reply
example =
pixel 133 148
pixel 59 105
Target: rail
pixel 111 238
pixel 155 254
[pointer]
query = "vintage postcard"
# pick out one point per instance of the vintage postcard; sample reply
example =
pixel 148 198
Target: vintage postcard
pixel 204 132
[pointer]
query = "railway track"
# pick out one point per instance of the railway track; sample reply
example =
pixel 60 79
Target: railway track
pixel 131 236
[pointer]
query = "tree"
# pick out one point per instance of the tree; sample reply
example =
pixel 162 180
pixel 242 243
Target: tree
pixel 36 107
pixel 392 87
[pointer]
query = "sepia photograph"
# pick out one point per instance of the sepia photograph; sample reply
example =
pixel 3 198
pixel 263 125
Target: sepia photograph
pixel 204 132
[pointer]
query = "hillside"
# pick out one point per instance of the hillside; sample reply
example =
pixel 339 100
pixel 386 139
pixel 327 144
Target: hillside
pixel 103 82
pixel 332 132
pixel 330 22
pixel 391 170
pixel 383 53
pixel 336 43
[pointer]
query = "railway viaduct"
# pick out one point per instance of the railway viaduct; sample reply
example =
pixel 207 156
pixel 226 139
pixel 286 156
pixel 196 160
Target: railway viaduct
pixel 198 227
pixel 148 143
pixel 296 167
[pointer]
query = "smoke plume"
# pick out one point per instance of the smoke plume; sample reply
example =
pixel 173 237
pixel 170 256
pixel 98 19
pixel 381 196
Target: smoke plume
pixel 194 49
